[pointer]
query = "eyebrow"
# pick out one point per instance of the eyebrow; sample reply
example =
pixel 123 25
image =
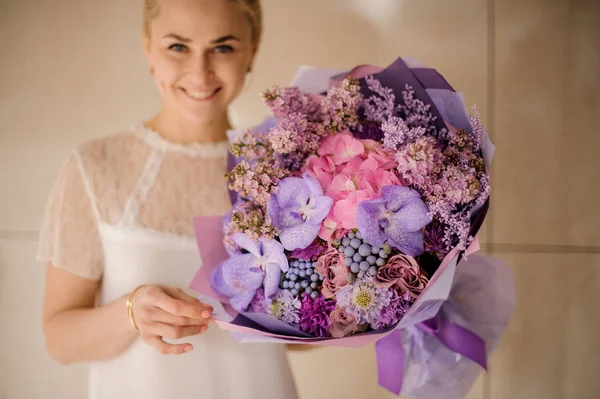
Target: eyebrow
pixel 177 37
pixel 225 39
pixel 186 40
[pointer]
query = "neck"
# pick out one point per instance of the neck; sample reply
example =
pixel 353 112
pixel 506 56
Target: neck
pixel 180 130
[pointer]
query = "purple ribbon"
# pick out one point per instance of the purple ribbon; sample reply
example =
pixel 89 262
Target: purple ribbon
pixel 390 354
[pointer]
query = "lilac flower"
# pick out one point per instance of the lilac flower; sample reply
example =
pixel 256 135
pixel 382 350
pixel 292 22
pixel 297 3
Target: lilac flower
pixel 256 181
pixel 341 104
pixel 282 140
pixel 461 151
pixel 240 276
pixel 381 106
pixel 364 300
pixel 458 232
pixel 315 315
pixel 420 162
pixel 247 146
pixel 304 119
pixel 394 311
pixel 455 191
pixel 284 101
pixel 397 218
pixel 297 210
pixel 397 133
pixel 250 219
pixel 416 112
pixel 457 223
pixel 287 136
pixel 459 185
pixel 484 190
pixel 293 140
pixel 478 129
pixel 286 307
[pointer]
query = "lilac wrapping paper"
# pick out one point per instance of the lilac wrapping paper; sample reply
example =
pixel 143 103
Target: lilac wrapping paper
pixel 478 293
pixel 482 300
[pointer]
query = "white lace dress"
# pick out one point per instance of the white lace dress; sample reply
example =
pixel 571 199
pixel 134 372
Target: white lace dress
pixel 122 211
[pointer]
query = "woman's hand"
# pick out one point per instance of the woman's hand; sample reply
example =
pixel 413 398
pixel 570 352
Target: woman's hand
pixel 167 312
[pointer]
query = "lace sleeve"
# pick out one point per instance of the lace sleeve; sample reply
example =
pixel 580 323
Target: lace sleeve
pixel 69 237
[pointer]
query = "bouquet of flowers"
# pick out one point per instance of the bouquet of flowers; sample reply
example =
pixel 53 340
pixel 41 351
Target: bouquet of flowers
pixel 355 208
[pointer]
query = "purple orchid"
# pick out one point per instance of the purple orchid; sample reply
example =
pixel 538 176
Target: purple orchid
pixel 397 218
pixel 241 276
pixel 297 210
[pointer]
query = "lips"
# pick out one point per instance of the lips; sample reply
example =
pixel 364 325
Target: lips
pixel 203 95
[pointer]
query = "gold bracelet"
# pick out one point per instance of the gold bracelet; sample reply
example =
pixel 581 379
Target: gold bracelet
pixel 129 311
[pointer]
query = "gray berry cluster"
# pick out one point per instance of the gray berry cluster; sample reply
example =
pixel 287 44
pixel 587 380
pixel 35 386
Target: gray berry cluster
pixel 361 257
pixel 302 279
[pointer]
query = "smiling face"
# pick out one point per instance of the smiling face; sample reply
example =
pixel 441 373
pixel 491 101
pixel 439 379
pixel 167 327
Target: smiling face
pixel 200 52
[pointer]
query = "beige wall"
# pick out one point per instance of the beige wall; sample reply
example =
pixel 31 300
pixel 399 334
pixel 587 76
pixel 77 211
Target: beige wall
pixel 73 69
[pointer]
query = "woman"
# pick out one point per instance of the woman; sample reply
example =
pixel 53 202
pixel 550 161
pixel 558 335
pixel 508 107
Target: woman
pixel 118 237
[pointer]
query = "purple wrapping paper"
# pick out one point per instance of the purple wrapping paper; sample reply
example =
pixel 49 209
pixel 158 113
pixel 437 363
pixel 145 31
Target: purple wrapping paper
pixel 272 324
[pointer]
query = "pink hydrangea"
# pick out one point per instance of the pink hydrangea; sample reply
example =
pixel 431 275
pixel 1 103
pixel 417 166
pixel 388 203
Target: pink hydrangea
pixel 341 147
pixel 321 168
pixel 344 211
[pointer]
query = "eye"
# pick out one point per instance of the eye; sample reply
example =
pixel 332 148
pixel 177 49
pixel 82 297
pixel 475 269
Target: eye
pixel 224 49
pixel 178 48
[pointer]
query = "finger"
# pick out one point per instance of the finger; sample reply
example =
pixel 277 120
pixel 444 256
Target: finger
pixel 173 332
pixel 180 294
pixel 178 307
pixel 162 316
pixel 166 349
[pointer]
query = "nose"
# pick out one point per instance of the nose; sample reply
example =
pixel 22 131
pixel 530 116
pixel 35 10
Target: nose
pixel 203 69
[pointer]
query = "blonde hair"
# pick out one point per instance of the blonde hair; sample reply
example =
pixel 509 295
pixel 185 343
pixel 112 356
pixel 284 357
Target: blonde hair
pixel 251 8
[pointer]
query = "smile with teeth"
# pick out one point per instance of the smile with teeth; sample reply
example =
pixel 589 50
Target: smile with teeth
pixel 201 95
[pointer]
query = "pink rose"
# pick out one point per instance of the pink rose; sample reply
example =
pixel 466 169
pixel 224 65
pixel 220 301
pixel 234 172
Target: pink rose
pixel 327 229
pixel 343 323
pixel 331 266
pixel 403 272
pixel 330 230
